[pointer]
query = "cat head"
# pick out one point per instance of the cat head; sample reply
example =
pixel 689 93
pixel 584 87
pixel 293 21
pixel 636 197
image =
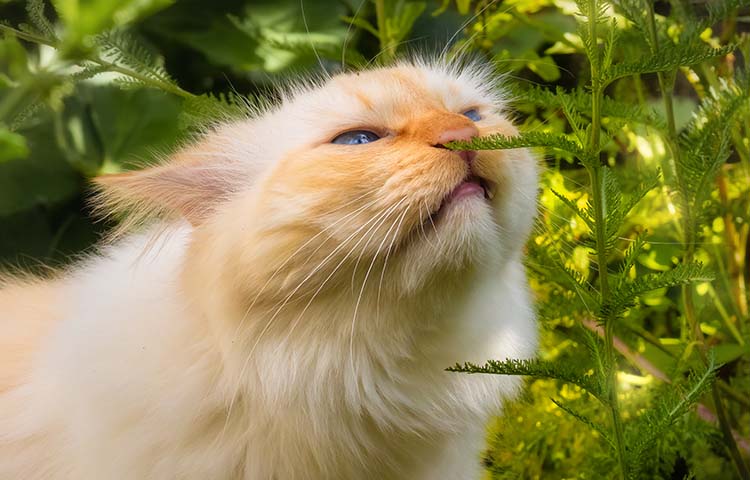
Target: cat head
pixel 349 178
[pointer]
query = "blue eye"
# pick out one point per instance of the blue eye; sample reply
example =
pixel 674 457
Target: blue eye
pixel 355 137
pixel 472 115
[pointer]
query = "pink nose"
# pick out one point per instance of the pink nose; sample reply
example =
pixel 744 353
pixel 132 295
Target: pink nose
pixel 463 133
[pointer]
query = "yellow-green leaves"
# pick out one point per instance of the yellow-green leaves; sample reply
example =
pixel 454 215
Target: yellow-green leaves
pixel 84 18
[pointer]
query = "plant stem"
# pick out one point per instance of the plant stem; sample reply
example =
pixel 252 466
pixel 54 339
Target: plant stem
pixel 735 254
pixel 596 175
pixel 666 85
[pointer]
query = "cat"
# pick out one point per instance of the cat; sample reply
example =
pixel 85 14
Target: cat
pixel 312 271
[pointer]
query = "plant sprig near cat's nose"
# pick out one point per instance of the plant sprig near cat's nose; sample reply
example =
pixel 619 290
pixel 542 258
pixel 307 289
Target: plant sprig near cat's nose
pixel 525 140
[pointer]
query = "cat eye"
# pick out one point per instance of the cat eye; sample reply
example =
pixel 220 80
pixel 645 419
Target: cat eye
pixel 472 115
pixel 356 137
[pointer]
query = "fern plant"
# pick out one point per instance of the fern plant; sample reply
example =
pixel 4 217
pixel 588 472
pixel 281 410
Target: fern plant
pixel 602 278
pixel 697 153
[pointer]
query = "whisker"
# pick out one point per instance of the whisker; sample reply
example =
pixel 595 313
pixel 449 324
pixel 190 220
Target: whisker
pixel 285 301
pixel 335 269
pixel 312 44
pixel 385 264
pixel 444 52
pixel 346 36
pixel 289 258
pixel 361 291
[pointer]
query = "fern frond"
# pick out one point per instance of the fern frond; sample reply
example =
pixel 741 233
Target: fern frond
pixel 639 192
pixel 525 140
pixel 88 71
pixel 671 405
pixel 585 420
pixel 625 295
pixel 596 348
pixel 124 49
pixel 631 255
pixel 208 108
pixel 533 368
pixel 585 215
pixel 613 212
pixel 556 271
pixel 579 100
pixel 669 58
pixel 706 145
pixel 718 11
pixel 40 25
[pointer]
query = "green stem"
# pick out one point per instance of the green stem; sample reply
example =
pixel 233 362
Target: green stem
pixel 726 432
pixel 596 176
pixel 167 87
pixel 666 84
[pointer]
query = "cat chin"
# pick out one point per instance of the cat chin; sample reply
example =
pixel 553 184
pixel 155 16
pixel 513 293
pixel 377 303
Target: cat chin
pixel 462 238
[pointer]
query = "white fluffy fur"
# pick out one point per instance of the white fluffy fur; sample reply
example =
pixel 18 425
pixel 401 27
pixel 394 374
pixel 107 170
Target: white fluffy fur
pixel 136 380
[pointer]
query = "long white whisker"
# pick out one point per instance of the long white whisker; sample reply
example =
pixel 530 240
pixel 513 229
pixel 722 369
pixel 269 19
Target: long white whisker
pixel 346 36
pixel 312 44
pixel 335 269
pixel 444 52
pixel 285 301
pixel 289 258
pixel 361 291
pixel 385 264
pixel 421 226
pixel 431 222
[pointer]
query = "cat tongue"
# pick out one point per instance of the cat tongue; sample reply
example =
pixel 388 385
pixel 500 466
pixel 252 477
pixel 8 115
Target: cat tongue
pixel 468 187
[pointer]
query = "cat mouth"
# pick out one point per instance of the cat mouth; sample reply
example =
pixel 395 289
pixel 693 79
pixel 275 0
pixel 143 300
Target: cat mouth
pixel 470 186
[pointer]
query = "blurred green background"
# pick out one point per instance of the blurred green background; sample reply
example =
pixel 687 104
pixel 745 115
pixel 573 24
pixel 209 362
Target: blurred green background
pixel 97 86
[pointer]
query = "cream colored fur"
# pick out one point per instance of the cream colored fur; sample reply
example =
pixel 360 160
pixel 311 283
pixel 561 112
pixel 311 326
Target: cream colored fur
pixel 296 324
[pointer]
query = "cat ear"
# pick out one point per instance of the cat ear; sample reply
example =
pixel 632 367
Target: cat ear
pixel 190 185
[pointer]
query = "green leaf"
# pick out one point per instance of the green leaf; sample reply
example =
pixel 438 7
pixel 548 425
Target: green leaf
pixel 463 6
pixel 43 178
pixel 90 17
pixel 525 140
pixel 134 125
pixel 535 369
pixel 545 67
pixel 669 58
pixel 706 144
pixel 670 405
pixel 625 295
pixel 122 48
pixel 77 135
pixel 584 215
pixel 39 21
pixel 13 61
pixel 631 256
pixel 12 145
pixel 577 103
pixel 585 420
pixel 207 109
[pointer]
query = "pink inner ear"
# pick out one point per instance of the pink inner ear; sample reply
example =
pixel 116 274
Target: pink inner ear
pixel 189 188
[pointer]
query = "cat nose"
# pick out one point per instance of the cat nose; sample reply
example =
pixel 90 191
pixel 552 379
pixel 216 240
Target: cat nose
pixel 463 133
pixel 454 134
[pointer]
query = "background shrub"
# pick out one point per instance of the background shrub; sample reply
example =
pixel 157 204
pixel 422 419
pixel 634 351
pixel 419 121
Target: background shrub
pixel 639 260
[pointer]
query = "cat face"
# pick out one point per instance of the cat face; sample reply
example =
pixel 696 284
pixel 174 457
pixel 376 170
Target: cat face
pixel 349 176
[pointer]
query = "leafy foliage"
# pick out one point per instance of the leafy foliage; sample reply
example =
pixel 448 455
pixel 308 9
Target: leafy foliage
pixel 639 257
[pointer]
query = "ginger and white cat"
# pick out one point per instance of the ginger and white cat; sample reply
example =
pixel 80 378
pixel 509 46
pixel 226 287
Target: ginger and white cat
pixel 316 268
